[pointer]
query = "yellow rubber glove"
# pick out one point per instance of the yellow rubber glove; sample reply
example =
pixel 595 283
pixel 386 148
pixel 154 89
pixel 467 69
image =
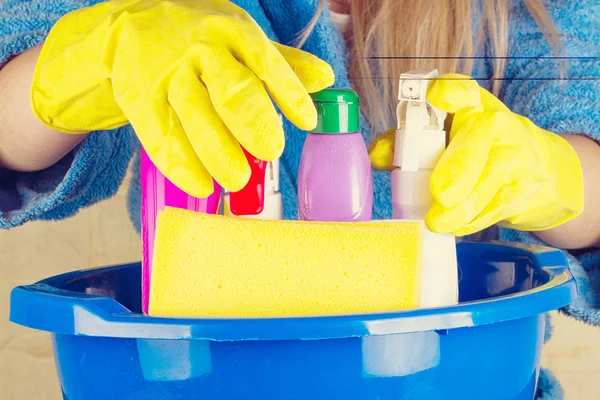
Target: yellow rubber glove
pixel 192 77
pixel 498 168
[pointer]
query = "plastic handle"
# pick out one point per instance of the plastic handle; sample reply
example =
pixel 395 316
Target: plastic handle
pixel 48 306
pixel 39 301
pixel 251 199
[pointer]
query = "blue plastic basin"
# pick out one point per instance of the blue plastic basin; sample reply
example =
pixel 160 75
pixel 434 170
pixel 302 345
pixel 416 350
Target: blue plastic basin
pixel 486 347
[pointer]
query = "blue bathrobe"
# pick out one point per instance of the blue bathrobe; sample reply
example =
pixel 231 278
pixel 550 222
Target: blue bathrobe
pixel 96 168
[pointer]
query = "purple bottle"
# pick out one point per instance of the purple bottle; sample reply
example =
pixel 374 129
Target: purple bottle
pixel 334 177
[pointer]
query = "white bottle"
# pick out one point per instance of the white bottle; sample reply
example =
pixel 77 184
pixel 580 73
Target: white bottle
pixel 420 141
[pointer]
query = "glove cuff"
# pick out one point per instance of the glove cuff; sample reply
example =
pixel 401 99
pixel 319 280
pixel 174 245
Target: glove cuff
pixel 566 201
pixel 569 178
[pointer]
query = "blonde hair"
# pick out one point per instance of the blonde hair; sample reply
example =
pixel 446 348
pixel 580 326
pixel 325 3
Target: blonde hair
pixel 394 36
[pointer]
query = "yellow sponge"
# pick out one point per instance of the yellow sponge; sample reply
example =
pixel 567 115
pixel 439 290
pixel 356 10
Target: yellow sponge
pixel 216 266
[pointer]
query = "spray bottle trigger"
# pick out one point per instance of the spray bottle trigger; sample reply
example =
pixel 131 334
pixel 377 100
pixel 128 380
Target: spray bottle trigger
pixel 251 199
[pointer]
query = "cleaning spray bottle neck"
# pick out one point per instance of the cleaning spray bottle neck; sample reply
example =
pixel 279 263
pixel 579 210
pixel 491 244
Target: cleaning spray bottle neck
pixel 420 141
pixel 272 177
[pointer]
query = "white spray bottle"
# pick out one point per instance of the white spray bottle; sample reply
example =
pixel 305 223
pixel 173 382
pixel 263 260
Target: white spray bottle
pixel 420 141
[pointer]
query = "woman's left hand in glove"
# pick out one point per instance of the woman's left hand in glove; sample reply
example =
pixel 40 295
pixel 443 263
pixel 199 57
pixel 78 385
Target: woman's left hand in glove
pixel 499 167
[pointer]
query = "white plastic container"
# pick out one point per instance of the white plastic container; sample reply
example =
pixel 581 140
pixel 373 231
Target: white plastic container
pixel 420 141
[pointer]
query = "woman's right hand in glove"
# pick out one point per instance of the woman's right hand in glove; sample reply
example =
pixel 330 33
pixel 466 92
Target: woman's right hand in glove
pixel 192 77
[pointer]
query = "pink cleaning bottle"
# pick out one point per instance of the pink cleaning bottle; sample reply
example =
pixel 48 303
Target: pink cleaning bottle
pixel 334 177
pixel 157 193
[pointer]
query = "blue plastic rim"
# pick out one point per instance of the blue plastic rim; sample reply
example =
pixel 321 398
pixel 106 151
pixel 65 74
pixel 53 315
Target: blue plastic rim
pixel 486 347
pixel 61 305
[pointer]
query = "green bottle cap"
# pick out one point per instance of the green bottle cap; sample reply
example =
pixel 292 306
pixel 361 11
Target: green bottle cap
pixel 337 111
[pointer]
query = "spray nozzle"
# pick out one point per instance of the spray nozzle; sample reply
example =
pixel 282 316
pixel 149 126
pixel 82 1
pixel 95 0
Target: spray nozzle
pixel 415 116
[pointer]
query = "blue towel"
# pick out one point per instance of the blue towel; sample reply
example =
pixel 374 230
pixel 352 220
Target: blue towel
pixel 96 168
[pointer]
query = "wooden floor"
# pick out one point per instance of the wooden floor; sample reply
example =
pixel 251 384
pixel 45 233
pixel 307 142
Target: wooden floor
pixel 102 235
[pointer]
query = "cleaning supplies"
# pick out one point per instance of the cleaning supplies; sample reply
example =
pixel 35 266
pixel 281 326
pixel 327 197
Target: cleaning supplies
pixel 334 177
pixel 420 141
pixel 262 268
pixel 157 193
